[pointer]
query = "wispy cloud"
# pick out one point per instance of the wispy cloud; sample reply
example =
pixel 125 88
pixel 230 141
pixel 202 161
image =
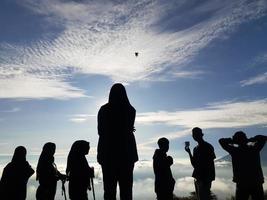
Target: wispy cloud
pixel 261 59
pixel 81 118
pixel 13 110
pixel 100 37
pixel 219 115
pixel 28 87
pixel 259 79
pixel 188 74
pixel 259 62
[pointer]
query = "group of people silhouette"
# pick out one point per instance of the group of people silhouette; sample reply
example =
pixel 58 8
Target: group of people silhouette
pixel 117 154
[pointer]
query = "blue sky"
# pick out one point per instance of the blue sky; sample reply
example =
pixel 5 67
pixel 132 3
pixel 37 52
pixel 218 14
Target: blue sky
pixel 201 63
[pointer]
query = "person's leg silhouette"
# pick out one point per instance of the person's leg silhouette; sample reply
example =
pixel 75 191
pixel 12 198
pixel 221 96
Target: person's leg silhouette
pixel 126 182
pixel 242 192
pixel 257 192
pixel 110 182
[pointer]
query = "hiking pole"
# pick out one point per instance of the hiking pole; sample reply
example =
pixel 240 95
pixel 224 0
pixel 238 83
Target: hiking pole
pixel 63 189
pixel 93 187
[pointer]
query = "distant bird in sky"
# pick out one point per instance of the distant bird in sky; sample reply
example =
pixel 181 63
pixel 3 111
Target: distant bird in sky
pixel 136 54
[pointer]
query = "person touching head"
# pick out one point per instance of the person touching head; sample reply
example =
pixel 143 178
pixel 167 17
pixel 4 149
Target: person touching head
pixel 246 163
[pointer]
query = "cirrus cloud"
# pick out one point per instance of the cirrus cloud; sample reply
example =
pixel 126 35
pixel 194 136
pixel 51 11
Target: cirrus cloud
pixel 217 115
pixel 100 38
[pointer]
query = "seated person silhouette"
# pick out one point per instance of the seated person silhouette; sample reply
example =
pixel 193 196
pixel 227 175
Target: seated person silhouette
pixel 79 171
pixel 247 171
pixel 202 161
pixel 47 173
pixel 164 181
pixel 13 184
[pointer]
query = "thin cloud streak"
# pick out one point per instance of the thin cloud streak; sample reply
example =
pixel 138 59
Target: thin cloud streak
pixel 105 45
pixel 13 110
pixel 189 74
pixel 259 79
pixel 219 115
pixel 82 118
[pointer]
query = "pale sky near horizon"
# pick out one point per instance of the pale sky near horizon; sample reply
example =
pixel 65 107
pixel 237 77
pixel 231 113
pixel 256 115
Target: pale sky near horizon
pixel 201 63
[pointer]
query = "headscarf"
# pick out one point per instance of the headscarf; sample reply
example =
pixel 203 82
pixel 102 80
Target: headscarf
pixel 19 154
pixel 46 157
pixel 77 153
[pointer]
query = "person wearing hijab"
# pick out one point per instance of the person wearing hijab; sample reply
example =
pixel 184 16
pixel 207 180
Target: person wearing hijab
pixel 13 184
pixel 116 150
pixel 79 171
pixel 47 173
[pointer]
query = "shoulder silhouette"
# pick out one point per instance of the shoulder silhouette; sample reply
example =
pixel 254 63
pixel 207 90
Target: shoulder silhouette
pixel 13 185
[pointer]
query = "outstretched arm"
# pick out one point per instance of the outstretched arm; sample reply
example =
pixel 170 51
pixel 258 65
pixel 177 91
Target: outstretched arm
pixel 227 144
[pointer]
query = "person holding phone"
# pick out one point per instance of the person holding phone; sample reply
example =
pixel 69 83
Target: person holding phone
pixel 202 161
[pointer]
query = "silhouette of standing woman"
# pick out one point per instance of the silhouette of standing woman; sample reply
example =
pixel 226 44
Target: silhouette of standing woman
pixel 13 185
pixel 78 171
pixel 47 173
pixel 117 151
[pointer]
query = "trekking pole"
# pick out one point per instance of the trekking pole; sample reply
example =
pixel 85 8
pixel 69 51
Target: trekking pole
pixel 93 187
pixel 63 189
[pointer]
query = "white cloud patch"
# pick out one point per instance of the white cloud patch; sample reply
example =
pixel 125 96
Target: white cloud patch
pixel 219 115
pixel 81 118
pixel 189 74
pixel 40 88
pixel 100 37
pixel 259 79
pixel 231 114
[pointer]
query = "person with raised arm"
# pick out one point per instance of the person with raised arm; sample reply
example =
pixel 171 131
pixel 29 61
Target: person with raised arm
pixel 247 171
pixel 202 161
